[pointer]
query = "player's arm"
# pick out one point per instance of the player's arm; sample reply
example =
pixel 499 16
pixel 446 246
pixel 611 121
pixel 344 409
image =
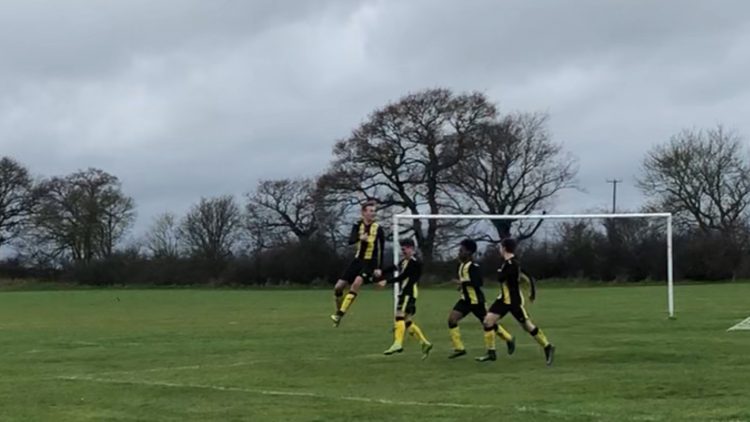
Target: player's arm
pixel 412 271
pixel 475 275
pixel 389 269
pixel 504 274
pixel 354 234
pixel 513 282
pixel 379 247
pixel 532 285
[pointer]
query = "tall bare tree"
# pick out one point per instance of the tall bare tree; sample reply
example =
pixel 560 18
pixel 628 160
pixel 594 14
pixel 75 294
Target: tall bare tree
pixel 402 155
pixel 212 228
pixel 286 205
pixel 16 199
pixel 82 215
pixel 301 208
pixel 162 239
pixel 513 167
pixel 259 237
pixel 703 177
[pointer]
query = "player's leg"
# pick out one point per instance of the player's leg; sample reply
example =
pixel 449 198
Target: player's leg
pixel 479 311
pixel 457 314
pixel 399 326
pixel 414 330
pixel 500 309
pixel 523 318
pixel 338 293
pixel 354 277
pixel 339 297
pixel 347 278
pixel 398 333
pixel 489 324
pixel 351 295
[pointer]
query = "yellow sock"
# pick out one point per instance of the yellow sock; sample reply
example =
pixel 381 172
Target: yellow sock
pixel 456 339
pixel 489 339
pixel 348 300
pixel 398 333
pixel 339 300
pixel 415 331
pixel 503 333
pixel 540 337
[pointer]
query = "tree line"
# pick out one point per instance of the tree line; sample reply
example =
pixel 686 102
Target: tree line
pixel 433 151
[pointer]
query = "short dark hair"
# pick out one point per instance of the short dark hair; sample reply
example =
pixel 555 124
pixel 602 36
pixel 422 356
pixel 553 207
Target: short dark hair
pixel 407 243
pixel 509 244
pixel 469 245
pixel 369 203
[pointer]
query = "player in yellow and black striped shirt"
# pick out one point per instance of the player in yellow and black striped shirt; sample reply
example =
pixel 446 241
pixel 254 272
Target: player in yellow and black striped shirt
pixel 472 302
pixel 369 240
pixel 511 300
pixel 410 270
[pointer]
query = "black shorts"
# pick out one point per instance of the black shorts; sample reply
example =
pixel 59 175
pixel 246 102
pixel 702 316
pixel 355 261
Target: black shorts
pixel 500 308
pixel 357 268
pixel 465 308
pixel 407 304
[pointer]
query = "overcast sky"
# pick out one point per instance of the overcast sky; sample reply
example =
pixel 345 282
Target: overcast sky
pixel 185 98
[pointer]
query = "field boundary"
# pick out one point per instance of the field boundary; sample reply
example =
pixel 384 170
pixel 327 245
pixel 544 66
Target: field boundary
pixel 38 286
pixel 742 325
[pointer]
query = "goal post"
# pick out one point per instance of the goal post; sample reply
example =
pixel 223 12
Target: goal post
pixel 667 217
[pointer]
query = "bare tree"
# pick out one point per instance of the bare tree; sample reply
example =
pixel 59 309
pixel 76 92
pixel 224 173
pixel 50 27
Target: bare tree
pixel 295 209
pixel 513 167
pixel 162 239
pixel 259 238
pixel 402 155
pixel 286 206
pixel 82 215
pixel 335 218
pixel 16 199
pixel 117 216
pixel 212 228
pixel 703 177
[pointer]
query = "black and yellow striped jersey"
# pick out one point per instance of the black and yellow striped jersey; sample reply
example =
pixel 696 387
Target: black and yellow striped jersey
pixel 512 279
pixel 410 270
pixel 470 276
pixel 370 250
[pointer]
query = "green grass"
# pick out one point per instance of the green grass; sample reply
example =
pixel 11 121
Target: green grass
pixel 226 355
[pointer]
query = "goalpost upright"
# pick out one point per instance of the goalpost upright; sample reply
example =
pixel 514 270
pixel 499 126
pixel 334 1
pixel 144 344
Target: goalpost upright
pixel 666 216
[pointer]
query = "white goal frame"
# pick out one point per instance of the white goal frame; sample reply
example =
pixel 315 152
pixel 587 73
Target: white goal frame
pixel 667 216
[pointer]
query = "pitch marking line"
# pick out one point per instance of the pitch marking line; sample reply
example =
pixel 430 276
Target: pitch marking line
pixel 280 393
pixel 742 325
pixel 179 368
pixel 522 409
pixel 228 365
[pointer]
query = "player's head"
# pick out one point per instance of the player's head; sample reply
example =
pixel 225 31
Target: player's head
pixel 466 249
pixel 508 246
pixel 407 247
pixel 368 210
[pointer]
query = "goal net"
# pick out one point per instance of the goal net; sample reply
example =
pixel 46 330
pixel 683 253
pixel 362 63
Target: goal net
pixel 610 229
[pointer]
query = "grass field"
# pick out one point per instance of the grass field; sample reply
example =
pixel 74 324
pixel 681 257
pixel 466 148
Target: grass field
pixel 224 355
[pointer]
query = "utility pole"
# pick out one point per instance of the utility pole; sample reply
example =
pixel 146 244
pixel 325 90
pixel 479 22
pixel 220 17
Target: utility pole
pixel 614 183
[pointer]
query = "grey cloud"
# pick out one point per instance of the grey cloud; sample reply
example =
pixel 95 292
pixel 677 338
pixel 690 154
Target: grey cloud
pixel 84 37
pixel 194 98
